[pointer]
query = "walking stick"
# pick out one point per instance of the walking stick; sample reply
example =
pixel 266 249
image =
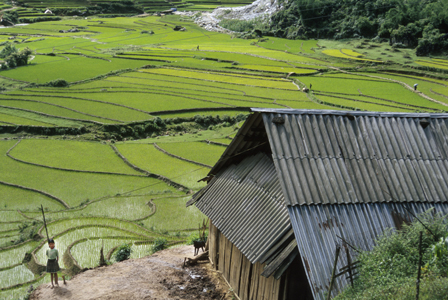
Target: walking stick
pixel 45 223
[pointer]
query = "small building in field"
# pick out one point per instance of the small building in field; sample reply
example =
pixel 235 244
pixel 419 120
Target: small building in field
pixel 296 185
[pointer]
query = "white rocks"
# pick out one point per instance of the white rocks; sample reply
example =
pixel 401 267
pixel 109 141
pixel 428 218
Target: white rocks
pixel 210 20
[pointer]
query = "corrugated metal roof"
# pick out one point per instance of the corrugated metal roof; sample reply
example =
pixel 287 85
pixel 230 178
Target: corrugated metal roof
pixel 317 228
pixel 246 204
pixel 351 112
pixel 365 167
pixel 327 157
pixel 244 142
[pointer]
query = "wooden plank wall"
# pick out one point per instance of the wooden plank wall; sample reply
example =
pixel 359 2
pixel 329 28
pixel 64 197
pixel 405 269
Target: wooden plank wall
pixel 244 278
pixel 213 245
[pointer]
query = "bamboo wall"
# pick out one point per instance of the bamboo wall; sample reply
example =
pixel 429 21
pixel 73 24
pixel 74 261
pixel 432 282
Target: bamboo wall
pixel 244 278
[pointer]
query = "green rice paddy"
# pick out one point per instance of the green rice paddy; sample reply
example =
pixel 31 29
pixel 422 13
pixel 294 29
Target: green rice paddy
pixel 183 172
pixel 15 275
pixel 122 79
pixel 87 254
pixel 196 151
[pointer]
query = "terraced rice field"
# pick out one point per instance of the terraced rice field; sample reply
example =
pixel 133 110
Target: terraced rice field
pixel 201 152
pixel 128 76
pixel 153 209
pixel 347 53
pixel 433 63
pixel 183 172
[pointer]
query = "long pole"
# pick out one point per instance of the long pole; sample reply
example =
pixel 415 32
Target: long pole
pixel 349 262
pixel 45 223
pixel 419 265
pixel 334 272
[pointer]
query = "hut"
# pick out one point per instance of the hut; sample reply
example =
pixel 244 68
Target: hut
pixel 300 191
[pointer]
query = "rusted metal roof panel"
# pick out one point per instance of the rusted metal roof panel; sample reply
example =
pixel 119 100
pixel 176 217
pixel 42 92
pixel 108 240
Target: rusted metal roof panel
pixel 328 157
pixel 246 204
pixel 317 228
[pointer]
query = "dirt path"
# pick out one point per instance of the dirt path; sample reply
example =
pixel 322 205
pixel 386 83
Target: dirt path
pixel 159 276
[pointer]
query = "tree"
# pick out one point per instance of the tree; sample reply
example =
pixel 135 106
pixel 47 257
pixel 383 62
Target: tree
pixel 13 58
pixel 8 50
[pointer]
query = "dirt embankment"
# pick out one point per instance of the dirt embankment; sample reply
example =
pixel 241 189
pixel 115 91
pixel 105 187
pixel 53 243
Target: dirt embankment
pixel 159 276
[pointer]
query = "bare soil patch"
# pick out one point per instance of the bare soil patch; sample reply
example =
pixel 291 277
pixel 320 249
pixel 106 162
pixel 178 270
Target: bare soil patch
pixel 159 276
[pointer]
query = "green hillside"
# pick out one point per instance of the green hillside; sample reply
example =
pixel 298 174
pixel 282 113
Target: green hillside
pixel 422 25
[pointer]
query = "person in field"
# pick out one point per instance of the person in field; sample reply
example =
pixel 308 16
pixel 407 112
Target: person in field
pixel 53 263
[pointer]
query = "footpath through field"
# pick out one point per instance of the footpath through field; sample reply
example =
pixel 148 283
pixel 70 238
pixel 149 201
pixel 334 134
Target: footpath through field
pixel 159 276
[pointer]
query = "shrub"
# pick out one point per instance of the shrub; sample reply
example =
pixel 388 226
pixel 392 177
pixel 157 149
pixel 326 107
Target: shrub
pixel 159 244
pixel 389 271
pixel 57 83
pixel 8 50
pixel 123 252
pixel 158 122
pixel 240 117
pixel 194 237
pixel 39 19
pixel 226 118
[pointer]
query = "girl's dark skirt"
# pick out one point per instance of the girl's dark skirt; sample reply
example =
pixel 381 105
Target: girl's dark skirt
pixel 52 266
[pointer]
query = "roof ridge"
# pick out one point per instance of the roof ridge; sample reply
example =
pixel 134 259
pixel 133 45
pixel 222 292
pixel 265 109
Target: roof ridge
pixel 349 113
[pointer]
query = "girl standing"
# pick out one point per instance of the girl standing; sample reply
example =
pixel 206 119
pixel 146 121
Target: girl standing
pixel 52 263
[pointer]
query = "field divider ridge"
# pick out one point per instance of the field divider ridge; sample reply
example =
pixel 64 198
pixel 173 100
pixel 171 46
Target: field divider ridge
pixel 37 268
pixel 153 211
pixel 414 75
pixel 10 267
pixel 231 108
pixel 230 83
pixel 238 92
pixel 79 98
pixel 98 225
pixel 183 95
pixel 15 246
pixel 310 95
pixel 229 73
pixel 71 264
pixel 361 101
pixel 373 97
pixel 66 169
pixel 23 283
pixel 57 105
pixel 70 260
pixel 51 116
pixel 84 206
pixel 405 85
pixel 27 217
pixel 111 251
pixel 88 56
pixel 179 157
pixel 149 174
pixel 36 191
pixel 275 59
pixel 215 143
pixel 439 94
